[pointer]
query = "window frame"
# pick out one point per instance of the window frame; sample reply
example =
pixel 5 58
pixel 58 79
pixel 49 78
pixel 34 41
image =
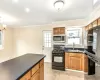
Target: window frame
pixel 47 42
pixel 2 40
pixel 80 35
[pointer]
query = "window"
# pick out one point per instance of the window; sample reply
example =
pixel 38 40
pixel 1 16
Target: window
pixel 47 38
pixel 74 35
pixel 1 39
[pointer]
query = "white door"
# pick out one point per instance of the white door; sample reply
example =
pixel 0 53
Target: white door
pixel 47 45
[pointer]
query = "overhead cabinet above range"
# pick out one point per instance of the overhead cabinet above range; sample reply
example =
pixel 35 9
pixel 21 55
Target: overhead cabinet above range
pixel 58 30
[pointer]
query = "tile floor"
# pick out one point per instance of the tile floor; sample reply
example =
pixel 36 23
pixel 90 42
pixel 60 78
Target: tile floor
pixel 51 74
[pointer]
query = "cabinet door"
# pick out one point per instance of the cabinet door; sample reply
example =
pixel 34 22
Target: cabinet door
pixel 99 21
pixel 75 61
pixel 90 26
pixel 62 30
pixel 55 31
pixel 36 76
pixel 66 60
pixel 95 23
pixel 86 28
pixel 27 76
pixel 85 63
pixel 35 68
pixel 42 72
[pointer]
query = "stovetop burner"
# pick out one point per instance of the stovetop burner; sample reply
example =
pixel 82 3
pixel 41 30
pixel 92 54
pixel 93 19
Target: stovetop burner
pixel 58 51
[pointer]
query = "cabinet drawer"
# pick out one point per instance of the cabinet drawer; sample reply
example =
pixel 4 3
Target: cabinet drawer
pixel 75 54
pixel 41 62
pixel 35 69
pixel 27 76
pixel 36 76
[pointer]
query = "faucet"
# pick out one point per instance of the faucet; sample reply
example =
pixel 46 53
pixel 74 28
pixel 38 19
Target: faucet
pixel 73 45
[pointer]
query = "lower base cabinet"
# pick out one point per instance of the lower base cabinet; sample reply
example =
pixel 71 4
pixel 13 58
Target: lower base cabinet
pixel 42 72
pixel 36 73
pixel 36 76
pixel 76 61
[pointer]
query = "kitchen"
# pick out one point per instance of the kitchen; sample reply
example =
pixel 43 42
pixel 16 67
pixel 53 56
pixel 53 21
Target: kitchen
pixel 49 42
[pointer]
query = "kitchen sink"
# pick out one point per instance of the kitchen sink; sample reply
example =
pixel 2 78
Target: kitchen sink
pixel 75 50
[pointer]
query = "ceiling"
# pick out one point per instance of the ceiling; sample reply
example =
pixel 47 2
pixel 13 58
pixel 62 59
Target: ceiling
pixel 42 11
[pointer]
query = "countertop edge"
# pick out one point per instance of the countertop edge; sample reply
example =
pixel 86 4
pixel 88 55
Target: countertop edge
pixel 30 68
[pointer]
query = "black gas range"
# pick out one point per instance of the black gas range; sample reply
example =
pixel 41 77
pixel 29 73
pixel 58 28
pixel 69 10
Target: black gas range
pixel 58 58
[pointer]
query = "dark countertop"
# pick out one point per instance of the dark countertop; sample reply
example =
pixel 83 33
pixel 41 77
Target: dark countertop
pixel 15 68
pixel 81 50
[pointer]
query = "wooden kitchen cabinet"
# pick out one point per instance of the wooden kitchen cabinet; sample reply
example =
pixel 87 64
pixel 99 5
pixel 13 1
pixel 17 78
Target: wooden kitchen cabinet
pixel 90 26
pixel 76 61
pixel 95 23
pixel 36 73
pixel 99 21
pixel 87 28
pixel 36 76
pixel 26 76
pixel 58 30
pixel 55 31
pixel 42 72
pixel 34 69
pixel 62 30
pixel 85 69
pixel 66 60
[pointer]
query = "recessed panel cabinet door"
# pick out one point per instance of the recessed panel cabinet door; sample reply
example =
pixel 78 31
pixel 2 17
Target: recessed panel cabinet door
pixel 58 30
pixel 95 23
pixel 36 76
pixel 85 63
pixel 90 26
pixel 55 31
pixel 66 60
pixel 62 30
pixel 26 76
pixel 42 72
pixel 99 21
pixel 75 61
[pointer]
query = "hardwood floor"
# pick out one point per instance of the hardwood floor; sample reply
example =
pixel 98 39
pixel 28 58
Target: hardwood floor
pixel 50 74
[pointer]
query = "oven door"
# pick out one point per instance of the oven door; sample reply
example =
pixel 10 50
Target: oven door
pixel 58 60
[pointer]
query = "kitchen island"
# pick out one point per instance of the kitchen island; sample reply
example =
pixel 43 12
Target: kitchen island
pixel 26 67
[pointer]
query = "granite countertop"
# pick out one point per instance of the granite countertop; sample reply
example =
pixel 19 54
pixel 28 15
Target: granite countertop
pixel 76 50
pixel 15 68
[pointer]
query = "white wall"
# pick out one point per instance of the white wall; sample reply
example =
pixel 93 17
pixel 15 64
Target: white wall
pixel 7 52
pixel 28 40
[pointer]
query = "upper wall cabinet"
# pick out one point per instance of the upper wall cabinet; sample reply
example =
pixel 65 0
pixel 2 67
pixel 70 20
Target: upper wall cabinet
pixel 99 21
pixel 95 23
pixel 58 30
pixel 90 26
pixel 86 28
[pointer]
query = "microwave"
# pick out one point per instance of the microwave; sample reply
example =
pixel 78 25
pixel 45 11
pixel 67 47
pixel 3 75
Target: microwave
pixel 59 38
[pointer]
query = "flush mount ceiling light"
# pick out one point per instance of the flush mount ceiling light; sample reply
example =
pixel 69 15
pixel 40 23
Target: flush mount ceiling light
pixel 15 1
pixel 59 4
